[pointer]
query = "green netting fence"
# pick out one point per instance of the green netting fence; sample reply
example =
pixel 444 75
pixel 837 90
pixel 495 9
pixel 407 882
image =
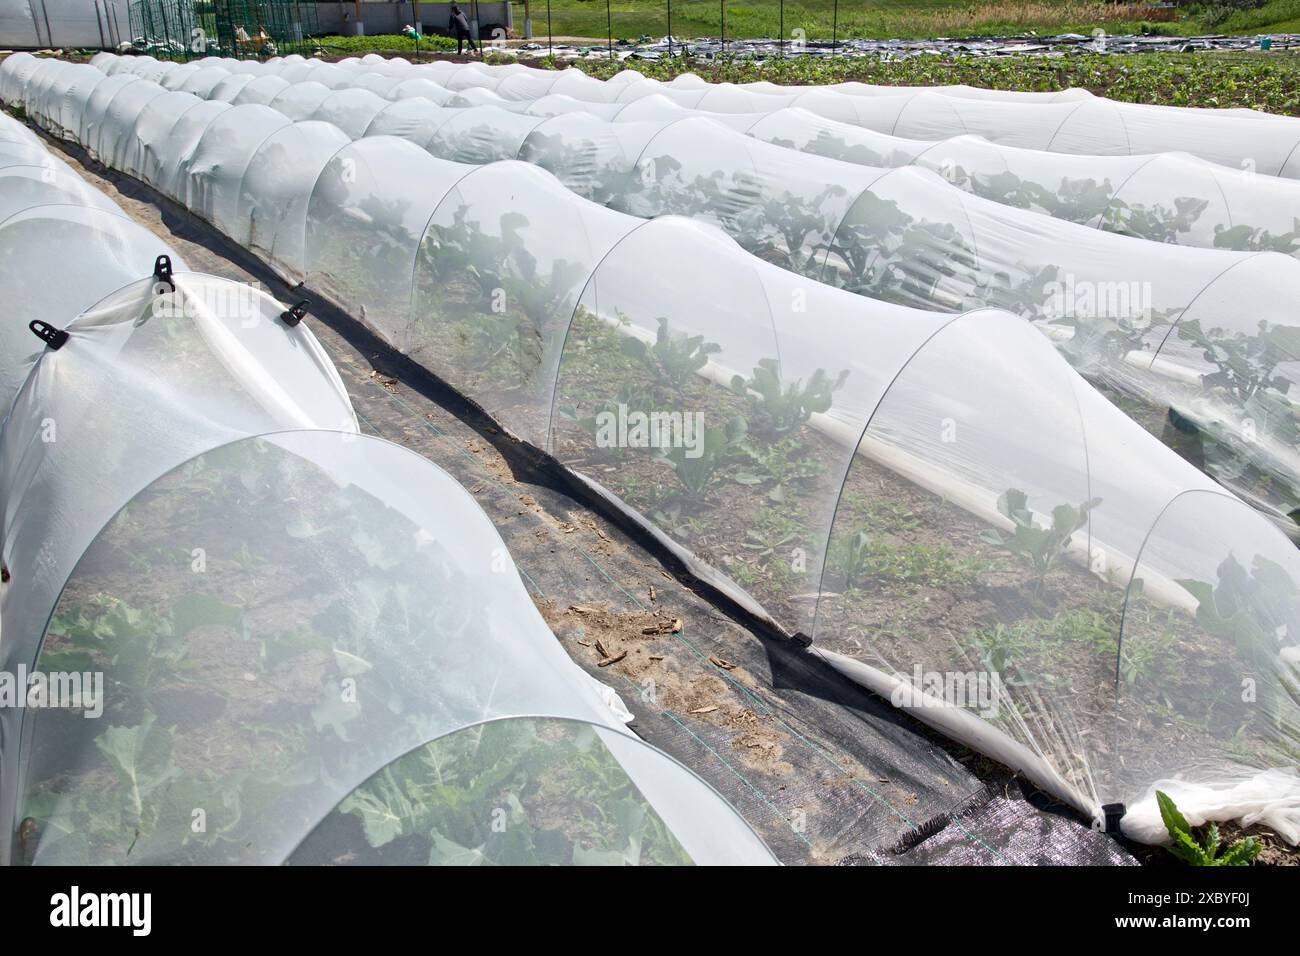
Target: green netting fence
pixel 186 29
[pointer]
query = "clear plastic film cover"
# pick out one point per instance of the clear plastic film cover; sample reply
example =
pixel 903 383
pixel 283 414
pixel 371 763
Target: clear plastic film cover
pixel 84 433
pixel 943 490
pixel 419 87
pixel 214 170
pixel 24 185
pixel 300 100
pixel 708 407
pixel 118 119
pixel 909 239
pixel 351 110
pixel 110 250
pixel 415 118
pixel 1068 122
pixel 276 189
pixel 937 250
pixel 147 142
pixel 1168 197
pixel 498 276
pixel 261 91
pixel 565 792
pixel 92 117
pixel 924 546
pixel 1207 690
pixel 365 222
pixel 323 703
pixel 379 83
pixel 481 135
pixel 175 150
pixel 590 156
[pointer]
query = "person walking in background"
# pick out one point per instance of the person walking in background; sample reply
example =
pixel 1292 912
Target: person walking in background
pixel 460 29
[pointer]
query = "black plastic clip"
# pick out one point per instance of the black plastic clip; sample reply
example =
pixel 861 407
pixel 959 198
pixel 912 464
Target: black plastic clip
pixel 295 314
pixel 52 337
pixel 162 272
pixel 802 639
pixel 1114 812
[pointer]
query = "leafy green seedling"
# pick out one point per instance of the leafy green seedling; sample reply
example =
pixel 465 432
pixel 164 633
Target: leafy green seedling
pixel 779 409
pixel 1192 851
pixel 784 463
pixel 1042 547
pixel 674 358
pixel 698 473
pixel 1247 608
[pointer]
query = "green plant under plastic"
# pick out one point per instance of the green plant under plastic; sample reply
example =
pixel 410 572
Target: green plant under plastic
pixel 1041 547
pixel 1207 852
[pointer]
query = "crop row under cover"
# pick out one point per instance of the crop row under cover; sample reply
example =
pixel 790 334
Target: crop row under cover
pixel 1199 346
pixel 308 636
pixel 919 493
pixel 1221 206
pixel 1069 121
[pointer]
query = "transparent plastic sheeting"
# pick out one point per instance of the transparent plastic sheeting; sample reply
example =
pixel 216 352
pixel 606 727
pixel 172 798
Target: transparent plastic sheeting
pixel 83 430
pixel 375 684
pixel 162 386
pixel 1160 329
pixel 1068 122
pixel 49 216
pixel 1168 196
pixel 203 352
pixel 1071 121
pixel 911 489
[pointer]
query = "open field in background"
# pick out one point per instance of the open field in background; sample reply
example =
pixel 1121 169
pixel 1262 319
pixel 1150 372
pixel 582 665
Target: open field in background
pixel 334 47
pixel 900 19
pixel 1266 81
pixel 878 20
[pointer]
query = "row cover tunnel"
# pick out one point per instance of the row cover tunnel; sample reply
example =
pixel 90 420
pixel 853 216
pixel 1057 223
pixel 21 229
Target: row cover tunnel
pixel 1199 345
pixel 1163 195
pixel 1070 122
pixel 307 638
pixel 916 492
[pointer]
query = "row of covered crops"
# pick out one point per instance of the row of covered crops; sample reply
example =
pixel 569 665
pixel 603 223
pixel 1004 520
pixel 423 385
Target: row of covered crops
pixel 917 492
pixel 246 632
pixel 1199 344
